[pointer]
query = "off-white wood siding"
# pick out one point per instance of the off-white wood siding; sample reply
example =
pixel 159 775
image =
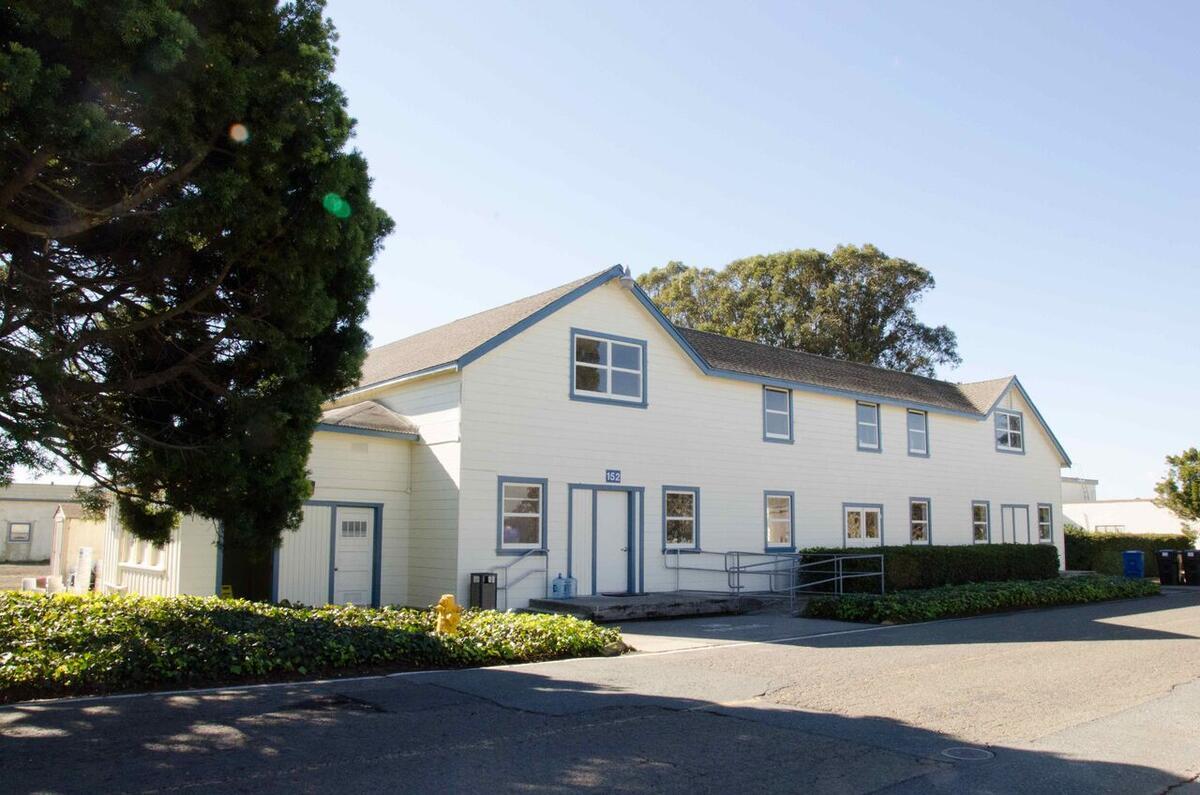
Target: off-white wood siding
pixel 706 432
pixel 433 405
pixel 185 565
pixel 34 503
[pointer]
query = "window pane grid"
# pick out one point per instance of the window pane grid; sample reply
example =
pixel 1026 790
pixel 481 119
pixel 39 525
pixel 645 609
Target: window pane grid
pixel 867 416
pixel 521 514
pixel 607 368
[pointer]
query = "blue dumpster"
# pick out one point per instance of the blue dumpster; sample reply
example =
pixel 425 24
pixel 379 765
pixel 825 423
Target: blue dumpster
pixel 1135 564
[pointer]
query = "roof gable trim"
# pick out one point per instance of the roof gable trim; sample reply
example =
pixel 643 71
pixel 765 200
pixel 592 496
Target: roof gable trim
pixel 1062 453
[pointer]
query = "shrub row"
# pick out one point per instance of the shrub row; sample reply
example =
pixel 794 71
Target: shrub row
pixel 64 644
pixel 913 567
pixel 906 607
pixel 1101 552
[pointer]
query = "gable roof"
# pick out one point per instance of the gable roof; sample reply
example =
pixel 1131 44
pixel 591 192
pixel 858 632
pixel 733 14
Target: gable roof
pixel 452 342
pixel 766 361
pixel 367 416
pixel 456 344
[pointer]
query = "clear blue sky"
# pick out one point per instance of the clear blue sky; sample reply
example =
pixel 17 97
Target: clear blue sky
pixel 1040 159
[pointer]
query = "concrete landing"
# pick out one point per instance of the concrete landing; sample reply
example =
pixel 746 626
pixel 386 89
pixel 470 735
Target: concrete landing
pixel 672 604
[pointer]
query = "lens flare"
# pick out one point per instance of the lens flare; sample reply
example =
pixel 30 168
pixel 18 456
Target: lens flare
pixel 335 205
pixel 239 133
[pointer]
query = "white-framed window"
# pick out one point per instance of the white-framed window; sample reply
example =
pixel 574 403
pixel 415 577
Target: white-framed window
pixel 780 523
pixel 918 521
pixel 918 432
pixel 354 528
pixel 864 525
pixel 867 419
pixel 681 517
pixel 1010 431
pixel 981 530
pixel 607 369
pixel 1045 522
pixel 20 532
pixel 777 414
pixel 522 512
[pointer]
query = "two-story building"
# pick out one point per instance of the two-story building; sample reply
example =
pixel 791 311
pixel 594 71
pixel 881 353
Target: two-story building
pixel 579 431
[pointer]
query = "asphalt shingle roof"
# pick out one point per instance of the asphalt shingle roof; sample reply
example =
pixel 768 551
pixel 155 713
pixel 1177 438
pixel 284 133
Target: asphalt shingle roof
pixel 448 343
pixel 368 415
pixel 752 358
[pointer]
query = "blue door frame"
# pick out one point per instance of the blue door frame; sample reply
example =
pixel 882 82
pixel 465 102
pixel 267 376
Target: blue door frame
pixel 635 572
pixel 376 548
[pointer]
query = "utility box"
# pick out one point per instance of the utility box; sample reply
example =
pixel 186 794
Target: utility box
pixel 1191 567
pixel 1168 566
pixel 483 590
pixel 1134 563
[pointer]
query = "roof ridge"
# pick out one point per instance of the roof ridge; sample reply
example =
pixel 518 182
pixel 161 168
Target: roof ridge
pixel 829 358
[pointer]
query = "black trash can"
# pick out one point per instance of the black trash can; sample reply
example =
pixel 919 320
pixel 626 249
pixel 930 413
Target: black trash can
pixel 1168 566
pixel 483 590
pixel 1191 567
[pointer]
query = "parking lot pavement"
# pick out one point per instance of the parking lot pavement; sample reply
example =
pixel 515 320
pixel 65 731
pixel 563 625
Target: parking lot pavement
pixel 1097 698
pixel 11 574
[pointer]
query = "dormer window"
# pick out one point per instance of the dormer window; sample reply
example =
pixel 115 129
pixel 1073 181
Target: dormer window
pixel 1010 431
pixel 607 368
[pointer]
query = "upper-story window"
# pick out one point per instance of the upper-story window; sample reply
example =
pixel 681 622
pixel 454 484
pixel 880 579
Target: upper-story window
pixel 1010 431
pixel 777 414
pixel 867 415
pixel 607 369
pixel 918 433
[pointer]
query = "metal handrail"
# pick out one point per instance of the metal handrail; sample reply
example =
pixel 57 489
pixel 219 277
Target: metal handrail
pixel 795 562
pixel 503 588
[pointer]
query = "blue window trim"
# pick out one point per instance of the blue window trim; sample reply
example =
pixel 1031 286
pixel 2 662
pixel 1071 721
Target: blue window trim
pixel 791 435
pixel 995 437
pixel 695 545
pixel 908 437
pixel 1038 522
pixel 791 546
pixel 987 512
pixel 643 344
pixel 878 427
pixel 27 540
pixel 928 521
pixel 500 548
pixel 876 505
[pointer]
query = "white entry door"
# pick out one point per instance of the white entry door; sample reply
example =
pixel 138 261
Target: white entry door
pixel 612 542
pixel 1014 524
pixel 353 555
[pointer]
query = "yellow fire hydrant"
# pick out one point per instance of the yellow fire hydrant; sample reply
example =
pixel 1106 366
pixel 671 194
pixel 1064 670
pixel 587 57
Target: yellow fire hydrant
pixel 449 613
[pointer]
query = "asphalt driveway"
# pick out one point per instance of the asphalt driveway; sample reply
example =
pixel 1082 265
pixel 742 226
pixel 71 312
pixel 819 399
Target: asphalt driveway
pixel 1101 698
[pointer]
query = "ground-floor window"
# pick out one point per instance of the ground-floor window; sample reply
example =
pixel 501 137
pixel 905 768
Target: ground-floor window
pixel 1045 524
pixel 681 517
pixel 522 512
pixel 980 522
pixel 863 525
pixel 918 521
pixel 780 523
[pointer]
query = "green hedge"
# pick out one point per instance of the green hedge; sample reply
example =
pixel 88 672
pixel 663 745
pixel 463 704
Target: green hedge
pixel 913 567
pixel 1101 552
pixel 62 644
pixel 905 607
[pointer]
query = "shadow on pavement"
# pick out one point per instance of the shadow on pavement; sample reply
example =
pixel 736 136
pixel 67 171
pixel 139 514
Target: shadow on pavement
pixel 503 730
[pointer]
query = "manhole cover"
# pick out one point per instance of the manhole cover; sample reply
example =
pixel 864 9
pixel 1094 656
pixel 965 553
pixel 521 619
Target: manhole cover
pixel 968 754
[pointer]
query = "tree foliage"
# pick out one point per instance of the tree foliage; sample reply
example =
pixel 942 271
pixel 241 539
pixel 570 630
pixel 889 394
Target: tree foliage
pixel 185 244
pixel 1180 489
pixel 855 303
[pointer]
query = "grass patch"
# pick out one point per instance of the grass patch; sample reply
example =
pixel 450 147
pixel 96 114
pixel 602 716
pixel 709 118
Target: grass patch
pixel 972 599
pixel 74 645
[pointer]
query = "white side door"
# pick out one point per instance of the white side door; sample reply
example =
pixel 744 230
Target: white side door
pixel 612 541
pixel 353 555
